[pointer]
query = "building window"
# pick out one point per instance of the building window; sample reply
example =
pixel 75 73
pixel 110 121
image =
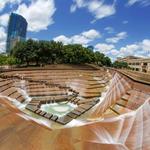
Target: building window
pixel 144 70
pixel 145 64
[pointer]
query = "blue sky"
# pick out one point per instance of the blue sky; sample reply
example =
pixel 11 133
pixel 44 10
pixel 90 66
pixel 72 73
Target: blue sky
pixel 116 28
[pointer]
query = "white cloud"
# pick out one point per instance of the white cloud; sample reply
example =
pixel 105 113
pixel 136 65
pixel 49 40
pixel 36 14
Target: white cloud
pixel 78 4
pixel 2 39
pixel 103 47
pixel 97 8
pixel 91 34
pixel 129 49
pixel 38 14
pixel 73 8
pixel 3 3
pixel 109 30
pixel 4 20
pixel 62 39
pixel 141 2
pixel 83 38
pixel 80 39
pixel 141 49
pixel 117 37
pixel 146 45
pixel 114 52
pixel 107 49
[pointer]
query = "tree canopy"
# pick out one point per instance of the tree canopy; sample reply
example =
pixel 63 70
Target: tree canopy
pixel 7 60
pixel 120 65
pixel 50 52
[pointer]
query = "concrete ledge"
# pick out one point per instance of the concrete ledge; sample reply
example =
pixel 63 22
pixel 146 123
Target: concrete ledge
pixel 64 120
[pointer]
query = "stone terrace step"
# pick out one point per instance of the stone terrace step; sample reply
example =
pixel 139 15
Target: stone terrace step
pixel 42 113
pixel 85 106
pixel 125 97
pixel 2 80
pixel 48 115
pixel 5 87
pixel 54 118
pixel 64 120
pixel 76 100
pixel 21 99
pixel 7 82
pixel 80 109
pixel 72 115
pixel 32 108
pixel 9 91
pixel 36 105
pixel 15 95
pixel 76 112
pixel 46 93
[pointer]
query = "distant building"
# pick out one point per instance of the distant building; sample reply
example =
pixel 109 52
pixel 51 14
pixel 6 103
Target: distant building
pixel 17 29
pixel 137 63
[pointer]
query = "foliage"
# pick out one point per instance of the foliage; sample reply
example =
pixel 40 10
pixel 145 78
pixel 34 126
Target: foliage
pixel 7 60
pixel 120 65
pixel 50 52
pixel 101 59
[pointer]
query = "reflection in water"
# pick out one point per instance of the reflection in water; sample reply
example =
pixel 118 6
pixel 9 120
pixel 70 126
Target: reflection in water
pixel 59 109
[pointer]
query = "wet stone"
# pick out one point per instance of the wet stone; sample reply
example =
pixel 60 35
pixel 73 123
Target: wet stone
pixel 85 106
pixel 31 108
pixel 48 115
pixel 54 118
pixel 91 103
pixel 76 112
pixel 72 115
pixel 38 111
pixel 96 100
pixel 81 110
pixel 64 120
pixel 42 113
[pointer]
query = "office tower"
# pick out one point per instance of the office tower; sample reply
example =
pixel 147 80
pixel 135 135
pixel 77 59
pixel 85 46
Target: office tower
pixel 17 28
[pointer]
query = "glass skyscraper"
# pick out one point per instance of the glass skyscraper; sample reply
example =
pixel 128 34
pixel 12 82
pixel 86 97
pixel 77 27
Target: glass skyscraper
pixel 17 28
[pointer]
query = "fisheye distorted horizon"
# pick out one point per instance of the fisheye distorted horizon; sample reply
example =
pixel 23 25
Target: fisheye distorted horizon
pixel 115 28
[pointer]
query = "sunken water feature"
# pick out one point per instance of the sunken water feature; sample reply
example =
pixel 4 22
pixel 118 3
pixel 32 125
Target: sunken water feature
pixel 57 96
pixel 95 111
pixel 59 109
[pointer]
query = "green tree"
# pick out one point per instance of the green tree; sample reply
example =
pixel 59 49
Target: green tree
pixel 107 61
pixel 50 52
pixel 11 60
pixel 120 65
pixel 99 58
pixel 3 59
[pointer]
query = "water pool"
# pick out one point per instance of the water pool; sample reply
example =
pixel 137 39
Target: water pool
pixel 58 109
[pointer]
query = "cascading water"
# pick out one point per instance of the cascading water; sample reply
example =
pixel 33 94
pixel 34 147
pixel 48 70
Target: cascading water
pixel 59 109
pixel 21 88
pixel 118 87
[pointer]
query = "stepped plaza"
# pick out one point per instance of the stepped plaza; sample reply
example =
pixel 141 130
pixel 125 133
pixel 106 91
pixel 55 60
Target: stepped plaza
pixel 74 107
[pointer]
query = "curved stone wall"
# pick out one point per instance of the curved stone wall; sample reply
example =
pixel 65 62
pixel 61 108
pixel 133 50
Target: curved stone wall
pixel 118 121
